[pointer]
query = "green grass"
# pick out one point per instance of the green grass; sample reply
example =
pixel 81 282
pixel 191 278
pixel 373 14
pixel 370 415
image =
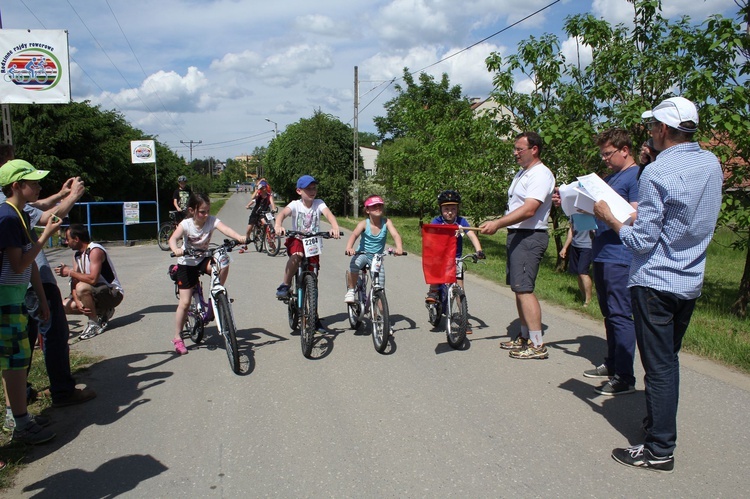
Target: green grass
pixel 14 454
pixel 714 332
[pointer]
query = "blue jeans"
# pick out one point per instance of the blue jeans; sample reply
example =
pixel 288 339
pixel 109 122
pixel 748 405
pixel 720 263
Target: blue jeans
pixel 55 333
pixel 661 320
pixel 611 281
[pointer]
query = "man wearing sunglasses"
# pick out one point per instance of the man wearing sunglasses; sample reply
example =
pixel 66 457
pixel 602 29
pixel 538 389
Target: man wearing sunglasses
pixel 678 205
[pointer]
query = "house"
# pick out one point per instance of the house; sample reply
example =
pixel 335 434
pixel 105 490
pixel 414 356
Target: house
pixel 369 160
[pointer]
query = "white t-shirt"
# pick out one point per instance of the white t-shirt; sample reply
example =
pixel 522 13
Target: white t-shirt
pixel 196 238
pixel 306 219
pixel 536 182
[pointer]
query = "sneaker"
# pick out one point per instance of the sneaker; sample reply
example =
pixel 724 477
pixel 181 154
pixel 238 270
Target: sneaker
pixel 77 396
pixel 10 422
pixel 349 296
pixel 518 344
pixel 615 386
pixel 282 292
pixel 179 347
pixel 599 372
pixel 32 434
pixel 432 297
pixel 92 329
pixel 104 319
pixel 530 352
pixel 640 457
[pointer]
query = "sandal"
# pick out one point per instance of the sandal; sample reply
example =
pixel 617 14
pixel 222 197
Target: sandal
pixel 179 347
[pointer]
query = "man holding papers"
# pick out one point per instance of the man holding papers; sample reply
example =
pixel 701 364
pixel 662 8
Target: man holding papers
pixel 679 202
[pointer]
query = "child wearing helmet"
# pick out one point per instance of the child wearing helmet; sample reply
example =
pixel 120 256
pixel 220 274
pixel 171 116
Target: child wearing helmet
pixel 261 202
pixel 180 197
pixel 449 201
pixel 374 230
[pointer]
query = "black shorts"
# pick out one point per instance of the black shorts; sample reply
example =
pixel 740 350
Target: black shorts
pixel 525 251
pixel 253 219
pixel 188 275
pixel 579 260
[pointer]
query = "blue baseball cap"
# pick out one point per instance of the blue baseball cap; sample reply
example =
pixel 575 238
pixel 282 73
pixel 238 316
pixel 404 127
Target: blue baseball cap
pixel 305 180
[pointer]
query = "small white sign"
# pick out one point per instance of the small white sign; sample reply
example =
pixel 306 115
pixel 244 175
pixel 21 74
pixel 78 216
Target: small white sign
pixel 131 212
pixel 142 151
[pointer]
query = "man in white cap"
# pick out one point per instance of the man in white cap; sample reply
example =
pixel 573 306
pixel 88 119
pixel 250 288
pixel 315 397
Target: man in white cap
pixel 678 205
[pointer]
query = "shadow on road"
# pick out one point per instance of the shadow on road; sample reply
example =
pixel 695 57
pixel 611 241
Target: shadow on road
pixel 111 479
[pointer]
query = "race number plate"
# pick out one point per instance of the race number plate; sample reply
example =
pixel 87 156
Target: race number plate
pixel 222 260
pixel 377 263
pixel 313 246
pixel 269 216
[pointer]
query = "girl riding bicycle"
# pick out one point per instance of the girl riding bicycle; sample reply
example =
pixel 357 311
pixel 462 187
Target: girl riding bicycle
pixel 195 231
pixel 374 230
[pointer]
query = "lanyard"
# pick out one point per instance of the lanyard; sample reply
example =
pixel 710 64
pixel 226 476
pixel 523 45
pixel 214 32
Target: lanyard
pixel 23 222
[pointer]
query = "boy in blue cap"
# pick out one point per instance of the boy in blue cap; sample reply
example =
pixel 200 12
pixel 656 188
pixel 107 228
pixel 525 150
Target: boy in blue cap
pixel 305 213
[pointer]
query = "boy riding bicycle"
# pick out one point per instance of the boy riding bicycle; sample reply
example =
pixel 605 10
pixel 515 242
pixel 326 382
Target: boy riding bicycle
pixel 374 232
pixel 305 213
pixel 449 202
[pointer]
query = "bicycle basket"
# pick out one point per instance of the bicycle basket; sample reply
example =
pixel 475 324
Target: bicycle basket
pixel 172 271
pixel 439 253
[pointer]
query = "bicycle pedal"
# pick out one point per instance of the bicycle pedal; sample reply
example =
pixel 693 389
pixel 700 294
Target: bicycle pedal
pixel 231 300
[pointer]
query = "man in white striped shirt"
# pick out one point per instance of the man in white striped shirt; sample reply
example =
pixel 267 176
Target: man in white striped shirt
pixel 678 205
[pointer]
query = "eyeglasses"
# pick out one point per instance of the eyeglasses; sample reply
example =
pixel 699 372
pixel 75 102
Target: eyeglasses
pixel 519 150
pixel 651 124
pixel 606 155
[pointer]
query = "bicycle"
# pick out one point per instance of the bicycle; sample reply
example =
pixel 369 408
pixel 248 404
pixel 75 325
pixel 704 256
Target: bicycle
pixel 371 301
pixel 302 300
pixel 452 304
pixel 166 229
pixel 264 234
pixel 219 305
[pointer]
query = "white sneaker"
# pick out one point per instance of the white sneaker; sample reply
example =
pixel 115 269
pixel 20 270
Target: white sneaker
pixel 349 296
pixel 92 329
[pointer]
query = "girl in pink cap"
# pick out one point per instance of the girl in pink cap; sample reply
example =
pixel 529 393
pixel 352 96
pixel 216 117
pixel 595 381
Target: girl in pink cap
pixel 374 230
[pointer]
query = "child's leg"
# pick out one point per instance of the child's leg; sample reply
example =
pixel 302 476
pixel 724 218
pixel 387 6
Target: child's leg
pixel 15 386
pixel 291 268
pixel 181 315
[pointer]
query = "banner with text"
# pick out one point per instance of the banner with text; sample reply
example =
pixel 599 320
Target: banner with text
pixel 35 67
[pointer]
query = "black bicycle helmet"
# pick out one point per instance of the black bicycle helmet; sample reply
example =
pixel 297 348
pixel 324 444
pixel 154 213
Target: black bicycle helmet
pixel 449 197
pixel 182 178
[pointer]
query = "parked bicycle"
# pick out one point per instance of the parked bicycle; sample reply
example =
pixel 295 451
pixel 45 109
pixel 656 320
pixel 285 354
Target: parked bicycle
pixel 371 301
pixel 302 301
pixel 453 306
pixel 166 229
pixel 219 306
pixel 265 235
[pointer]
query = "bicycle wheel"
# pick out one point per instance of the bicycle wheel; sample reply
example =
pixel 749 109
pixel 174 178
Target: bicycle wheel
pixel 165 232
pixel 309 314
pixel 381 320
pixel 455 325
pixel 273 242
pixel 194 326
pixel 258 236
pixel 228 331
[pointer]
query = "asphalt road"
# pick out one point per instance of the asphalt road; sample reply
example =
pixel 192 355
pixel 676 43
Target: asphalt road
pixel 423 420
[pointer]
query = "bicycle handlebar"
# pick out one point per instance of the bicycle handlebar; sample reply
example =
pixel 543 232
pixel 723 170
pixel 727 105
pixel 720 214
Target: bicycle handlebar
pixel 474 257
pixel 228 244
pixel 390 251
pixel 305 235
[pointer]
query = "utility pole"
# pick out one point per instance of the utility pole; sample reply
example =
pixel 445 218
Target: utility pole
pixel 355 201
pixel 190 144
pixel 275 127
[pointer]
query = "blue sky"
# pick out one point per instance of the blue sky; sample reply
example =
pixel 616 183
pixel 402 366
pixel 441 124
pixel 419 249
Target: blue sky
pixel 216 70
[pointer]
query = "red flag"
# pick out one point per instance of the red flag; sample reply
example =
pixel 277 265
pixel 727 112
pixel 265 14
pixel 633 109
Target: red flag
pixel 439 253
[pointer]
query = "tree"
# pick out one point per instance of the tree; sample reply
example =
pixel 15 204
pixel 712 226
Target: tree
pixel 321 146
pixel 631 70
pixel 433 141
pixel 78 139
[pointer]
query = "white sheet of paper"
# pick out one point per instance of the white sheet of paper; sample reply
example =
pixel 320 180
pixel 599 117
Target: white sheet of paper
pixel 584 202
pixel 568 194
pixel 599 190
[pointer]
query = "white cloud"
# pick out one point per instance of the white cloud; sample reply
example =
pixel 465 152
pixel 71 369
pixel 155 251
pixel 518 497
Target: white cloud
pixel 295 64
pixel 165 90
pixel 576 52
pixel 412 21
pixel 621 11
